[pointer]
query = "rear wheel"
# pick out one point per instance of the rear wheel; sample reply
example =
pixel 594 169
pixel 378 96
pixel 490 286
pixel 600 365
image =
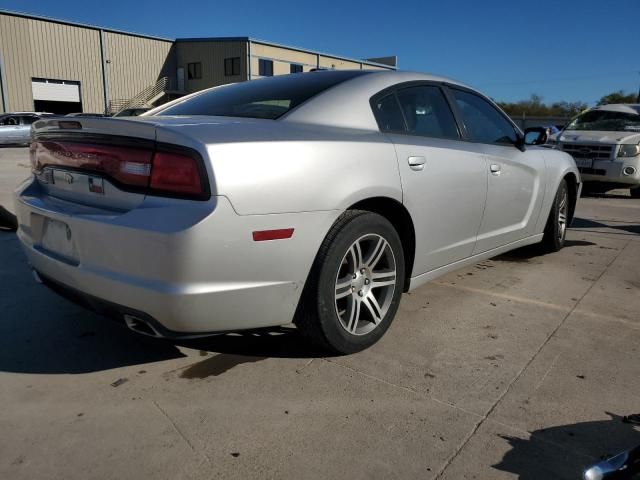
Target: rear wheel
pixel 354 288
pixel 635 192
pixel 557 223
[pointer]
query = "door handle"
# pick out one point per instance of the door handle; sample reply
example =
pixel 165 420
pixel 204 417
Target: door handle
pixel 495 168
pixel 416 163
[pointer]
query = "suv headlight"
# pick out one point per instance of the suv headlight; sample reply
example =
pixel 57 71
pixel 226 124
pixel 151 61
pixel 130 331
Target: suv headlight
pixel 629 150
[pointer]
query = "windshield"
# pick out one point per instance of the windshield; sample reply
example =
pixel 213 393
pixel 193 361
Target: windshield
pixel 267 98
pixel 608 121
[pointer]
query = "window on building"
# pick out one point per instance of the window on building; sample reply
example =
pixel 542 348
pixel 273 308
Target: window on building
pixel 194 70
pixel 295 68
pixel 427 112
pixel 232 66
pixel 265 68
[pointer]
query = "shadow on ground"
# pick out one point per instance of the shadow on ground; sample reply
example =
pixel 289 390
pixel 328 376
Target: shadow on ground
pixel 41 332
pixel 564 452
pixel 583 223
pixel 525 254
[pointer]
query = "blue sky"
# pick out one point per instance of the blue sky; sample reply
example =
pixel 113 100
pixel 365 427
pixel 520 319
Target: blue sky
pixel 563 50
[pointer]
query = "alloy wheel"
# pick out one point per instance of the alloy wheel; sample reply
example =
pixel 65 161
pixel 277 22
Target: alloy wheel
pixel 365 283
pixel 563 209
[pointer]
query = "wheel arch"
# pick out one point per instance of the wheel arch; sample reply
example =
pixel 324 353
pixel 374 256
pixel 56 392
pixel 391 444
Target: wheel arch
pixel 397 214
pixel 572 185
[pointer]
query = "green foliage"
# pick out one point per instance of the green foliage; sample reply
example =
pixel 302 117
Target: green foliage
pixel 534 106
pixel 618 97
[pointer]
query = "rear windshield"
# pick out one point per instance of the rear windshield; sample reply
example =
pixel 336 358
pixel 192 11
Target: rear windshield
pixel 606 120
pixel 268 98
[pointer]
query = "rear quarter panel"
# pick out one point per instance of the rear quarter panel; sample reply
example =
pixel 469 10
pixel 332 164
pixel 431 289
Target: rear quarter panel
pixel 267 167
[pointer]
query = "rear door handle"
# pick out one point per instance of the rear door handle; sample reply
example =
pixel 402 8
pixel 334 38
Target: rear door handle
pixel 416 163
pixel 495 168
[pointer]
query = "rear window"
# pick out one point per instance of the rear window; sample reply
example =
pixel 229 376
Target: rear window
pixel 267 98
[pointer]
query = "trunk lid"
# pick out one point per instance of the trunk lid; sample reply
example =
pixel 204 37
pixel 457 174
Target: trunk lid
pixel 112 163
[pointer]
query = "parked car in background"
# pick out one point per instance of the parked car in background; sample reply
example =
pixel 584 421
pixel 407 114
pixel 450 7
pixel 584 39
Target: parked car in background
pixel 15 128
pixel 605 144
pixel 316 198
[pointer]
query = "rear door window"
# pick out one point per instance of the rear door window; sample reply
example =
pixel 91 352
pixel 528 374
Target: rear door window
pixel 388 114
pixel 427 113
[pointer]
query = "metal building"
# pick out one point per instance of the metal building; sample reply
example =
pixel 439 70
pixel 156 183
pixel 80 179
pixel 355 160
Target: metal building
pixel 62 67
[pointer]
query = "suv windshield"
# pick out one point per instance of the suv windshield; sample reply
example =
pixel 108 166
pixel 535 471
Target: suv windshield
pixel 267 98
pixel 605 120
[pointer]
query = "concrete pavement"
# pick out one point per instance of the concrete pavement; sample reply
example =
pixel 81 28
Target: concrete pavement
pixel 518 367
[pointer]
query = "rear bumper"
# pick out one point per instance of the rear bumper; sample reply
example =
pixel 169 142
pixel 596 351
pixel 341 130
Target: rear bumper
pixel 191 267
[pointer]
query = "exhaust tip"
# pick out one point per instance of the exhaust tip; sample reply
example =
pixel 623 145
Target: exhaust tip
pixel 141 326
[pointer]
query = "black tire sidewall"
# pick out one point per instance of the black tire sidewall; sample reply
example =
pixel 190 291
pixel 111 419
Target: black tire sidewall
pixel 337 337
pixel 551 232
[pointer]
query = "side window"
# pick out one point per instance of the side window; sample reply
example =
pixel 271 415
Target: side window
pixel 427 112
pixel 28 119
pixel 483 122
pixel 10 121
pixel 388 114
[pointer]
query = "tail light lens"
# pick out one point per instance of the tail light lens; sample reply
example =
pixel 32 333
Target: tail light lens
pixel 169 173
pixel 173 172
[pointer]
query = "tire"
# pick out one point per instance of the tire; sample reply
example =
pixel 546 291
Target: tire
pixel 556 229
pixel 359 270
pixel 635 192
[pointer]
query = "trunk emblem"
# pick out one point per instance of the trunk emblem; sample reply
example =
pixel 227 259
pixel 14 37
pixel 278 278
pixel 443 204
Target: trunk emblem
pixel 96 185
pixel 68 178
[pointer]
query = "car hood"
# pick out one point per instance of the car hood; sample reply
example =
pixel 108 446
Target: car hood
pixel 580 136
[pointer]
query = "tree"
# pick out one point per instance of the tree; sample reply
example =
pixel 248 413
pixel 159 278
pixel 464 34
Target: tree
pixel 534 107
pixel 618 97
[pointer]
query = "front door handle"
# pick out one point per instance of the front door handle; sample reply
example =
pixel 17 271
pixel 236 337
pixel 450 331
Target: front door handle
pixel 495 168
pixel 416 163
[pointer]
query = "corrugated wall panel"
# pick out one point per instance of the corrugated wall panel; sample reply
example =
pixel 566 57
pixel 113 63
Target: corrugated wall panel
pixel 66 52
pixel 211 55
pixel 135 63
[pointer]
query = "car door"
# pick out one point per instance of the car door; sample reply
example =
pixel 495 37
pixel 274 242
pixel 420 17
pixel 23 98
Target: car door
pixel 515 177
pixel 443 178
pixel 24 134
pixel 10 129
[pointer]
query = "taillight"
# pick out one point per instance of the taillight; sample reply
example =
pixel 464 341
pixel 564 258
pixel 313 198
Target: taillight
pixel 163 172
pixel 176 173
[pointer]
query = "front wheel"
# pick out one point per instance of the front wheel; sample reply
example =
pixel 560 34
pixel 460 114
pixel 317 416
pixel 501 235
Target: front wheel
pixel 555 231
pixel 354 287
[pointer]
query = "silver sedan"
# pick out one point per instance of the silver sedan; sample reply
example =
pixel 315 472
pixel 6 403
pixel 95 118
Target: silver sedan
pixel 314 198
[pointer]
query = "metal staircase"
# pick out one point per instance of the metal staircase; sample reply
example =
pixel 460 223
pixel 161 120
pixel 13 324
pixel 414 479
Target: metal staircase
pixel 145 99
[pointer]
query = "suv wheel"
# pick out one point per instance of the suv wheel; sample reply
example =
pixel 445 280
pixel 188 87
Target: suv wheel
pixel 354 288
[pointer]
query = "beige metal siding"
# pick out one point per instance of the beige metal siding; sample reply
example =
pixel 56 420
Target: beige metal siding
pixel 282 59
pixel 34 48
pixel 135 63
pixel 338 63
pixel 211 55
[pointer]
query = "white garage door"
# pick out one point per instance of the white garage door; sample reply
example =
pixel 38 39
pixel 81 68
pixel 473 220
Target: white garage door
pixel 56 90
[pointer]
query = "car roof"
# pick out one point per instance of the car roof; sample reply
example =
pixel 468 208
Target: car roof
pixel 347 104
pixel 620 107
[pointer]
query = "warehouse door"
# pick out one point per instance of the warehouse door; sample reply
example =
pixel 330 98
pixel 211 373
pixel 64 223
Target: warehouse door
pixel 56 96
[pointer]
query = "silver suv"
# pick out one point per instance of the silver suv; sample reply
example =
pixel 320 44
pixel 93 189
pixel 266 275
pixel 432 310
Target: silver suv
pixel 605 144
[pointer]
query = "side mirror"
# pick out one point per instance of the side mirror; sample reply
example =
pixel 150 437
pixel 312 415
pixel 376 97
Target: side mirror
pixel 535 136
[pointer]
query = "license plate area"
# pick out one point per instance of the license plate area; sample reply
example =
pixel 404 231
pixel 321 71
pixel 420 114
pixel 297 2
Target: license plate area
pixel 56 239
pixel 584 162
